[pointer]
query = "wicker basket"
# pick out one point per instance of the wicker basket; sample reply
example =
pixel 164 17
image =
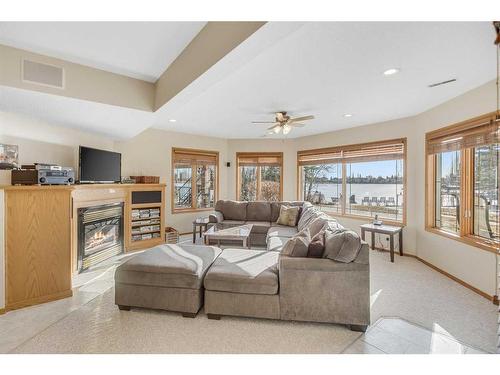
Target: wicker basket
pixel 171 235
pixel 146 179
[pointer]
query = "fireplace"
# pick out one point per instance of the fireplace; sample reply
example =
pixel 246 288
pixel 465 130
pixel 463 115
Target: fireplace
pixel 100 234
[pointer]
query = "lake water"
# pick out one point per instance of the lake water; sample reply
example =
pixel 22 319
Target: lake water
pixel 362 190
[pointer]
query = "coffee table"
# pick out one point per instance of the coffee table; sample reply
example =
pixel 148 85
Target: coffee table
pixel 239 233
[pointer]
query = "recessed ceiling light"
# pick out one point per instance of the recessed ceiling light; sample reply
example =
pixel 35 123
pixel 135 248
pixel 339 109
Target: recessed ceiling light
pixel 172 120
pixel 348 115
pixel 390 72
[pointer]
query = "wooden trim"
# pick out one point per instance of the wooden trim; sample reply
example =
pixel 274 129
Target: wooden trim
pixel 466 231
pixel 193 179
pixel 468 240
pixel 2 311
pixel 258 175
pixel 39 300
pixel 344 169
pixel 493 299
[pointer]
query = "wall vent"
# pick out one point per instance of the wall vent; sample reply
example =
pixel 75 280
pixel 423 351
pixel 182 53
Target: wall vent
pixel 443 83
pixel 42 74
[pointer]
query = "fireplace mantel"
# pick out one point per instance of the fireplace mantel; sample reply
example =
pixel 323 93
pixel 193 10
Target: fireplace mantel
pixel 38 236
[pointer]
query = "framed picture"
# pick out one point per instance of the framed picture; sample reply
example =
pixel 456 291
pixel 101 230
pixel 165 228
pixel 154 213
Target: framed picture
pixel 9 156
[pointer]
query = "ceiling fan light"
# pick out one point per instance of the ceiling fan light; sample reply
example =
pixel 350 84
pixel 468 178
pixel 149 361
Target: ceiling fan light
pixel 286 129
pixel 391 71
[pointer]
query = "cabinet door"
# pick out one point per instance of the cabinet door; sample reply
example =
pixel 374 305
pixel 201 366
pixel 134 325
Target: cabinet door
pixel 38 246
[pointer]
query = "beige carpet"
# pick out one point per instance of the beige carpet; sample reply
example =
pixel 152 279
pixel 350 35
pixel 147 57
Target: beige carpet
pixel 99 327
pixel 407 289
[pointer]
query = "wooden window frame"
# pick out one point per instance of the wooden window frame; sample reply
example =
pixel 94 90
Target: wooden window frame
pixel 193 208
pixel 257 154
pixel 466 231
pixel 344 163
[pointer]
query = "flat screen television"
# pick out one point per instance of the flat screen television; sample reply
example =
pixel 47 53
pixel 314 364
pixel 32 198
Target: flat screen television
pixel 99 166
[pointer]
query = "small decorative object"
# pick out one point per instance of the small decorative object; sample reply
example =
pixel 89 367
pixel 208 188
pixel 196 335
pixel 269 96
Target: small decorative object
pixel 171 235
pixel 9 156
pixel 146 179
pixel 376 221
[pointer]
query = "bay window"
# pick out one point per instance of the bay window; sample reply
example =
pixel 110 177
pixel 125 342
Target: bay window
pixel 259 176
pixel 194 179
pixel 463 163
pixel 364 180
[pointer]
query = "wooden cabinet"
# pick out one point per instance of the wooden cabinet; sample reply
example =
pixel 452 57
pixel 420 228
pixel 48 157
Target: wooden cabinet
pixel 40 228
pixel 38 239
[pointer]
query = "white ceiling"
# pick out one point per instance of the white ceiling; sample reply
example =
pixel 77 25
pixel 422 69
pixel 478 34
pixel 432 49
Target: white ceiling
pixel 329 69
pixel 140 50
pixel 323 68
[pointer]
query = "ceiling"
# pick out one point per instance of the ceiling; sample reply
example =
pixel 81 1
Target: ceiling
pixel 326 69
pixel 140 50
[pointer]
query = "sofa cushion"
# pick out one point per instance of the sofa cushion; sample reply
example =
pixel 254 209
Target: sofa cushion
pixel 259 226
pixel 259 211
pixel 350 248
pixel 317 246
pixel 288 216
pixel 175 266
pixel 307 217
pixel 333 243
pixel 276 243
pixel 298 245
pixel 277 230
pixel 276 206
pixel 316 225
pixel 233 210
pixel 244 271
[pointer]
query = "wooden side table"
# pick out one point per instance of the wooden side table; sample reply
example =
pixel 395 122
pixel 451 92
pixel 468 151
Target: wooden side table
pixel 201 223
pixel 384 229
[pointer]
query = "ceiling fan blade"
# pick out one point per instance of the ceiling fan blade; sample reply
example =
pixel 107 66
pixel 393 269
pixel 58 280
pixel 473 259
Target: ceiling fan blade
pixel 276 124
pixel 263 122
pixel 296 124
pixel 303 118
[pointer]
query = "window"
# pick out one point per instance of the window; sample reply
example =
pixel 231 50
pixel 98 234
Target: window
pixel 365 180
pixel 194 179
pixel 463 163
pixel 260 176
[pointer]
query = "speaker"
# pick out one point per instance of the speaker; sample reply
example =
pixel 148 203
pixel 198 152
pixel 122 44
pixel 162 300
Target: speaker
pixel 228 164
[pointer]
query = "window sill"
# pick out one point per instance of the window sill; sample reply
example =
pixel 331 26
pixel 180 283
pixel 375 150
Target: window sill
pixel 367 218
pixel 191 210
pixel 470 240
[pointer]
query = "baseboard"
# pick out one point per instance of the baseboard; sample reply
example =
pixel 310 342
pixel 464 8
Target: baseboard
pixel 39 300
pixel 2 311
pixel 493 299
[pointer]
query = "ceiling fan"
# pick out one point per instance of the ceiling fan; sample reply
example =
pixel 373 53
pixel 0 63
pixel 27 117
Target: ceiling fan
pixel 284 123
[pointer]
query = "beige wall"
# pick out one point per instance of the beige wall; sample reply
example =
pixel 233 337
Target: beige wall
pixel 150 152
pixel 42 142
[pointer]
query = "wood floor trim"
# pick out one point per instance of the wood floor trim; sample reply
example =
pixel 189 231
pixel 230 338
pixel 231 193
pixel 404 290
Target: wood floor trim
pixel 493 299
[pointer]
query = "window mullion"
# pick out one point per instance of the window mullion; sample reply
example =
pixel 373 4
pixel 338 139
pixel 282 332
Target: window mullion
pixel 344 188
pixel 194 177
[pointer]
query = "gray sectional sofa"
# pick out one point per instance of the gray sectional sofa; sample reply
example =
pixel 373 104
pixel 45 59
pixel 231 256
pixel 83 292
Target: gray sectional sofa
pixel 252 283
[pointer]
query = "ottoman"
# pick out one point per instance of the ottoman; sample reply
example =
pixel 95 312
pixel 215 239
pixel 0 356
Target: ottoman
pixel 243 282
pixel 166 277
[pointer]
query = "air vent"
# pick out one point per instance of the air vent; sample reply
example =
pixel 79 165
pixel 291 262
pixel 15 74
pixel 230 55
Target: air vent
pixel 442 83
pixel 42 74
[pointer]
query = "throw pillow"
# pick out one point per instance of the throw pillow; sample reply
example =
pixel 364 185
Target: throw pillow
pixel 333 243
pixel 350 248
pixel 316 247
pixel 298 245
pixel 288 216
pixel 316 225
pixel 342 245
pixel 307 217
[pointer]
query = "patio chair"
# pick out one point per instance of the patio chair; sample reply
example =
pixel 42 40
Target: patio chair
pixel 381 201
pixel 374 201
pixel 391 202
pixel 365 200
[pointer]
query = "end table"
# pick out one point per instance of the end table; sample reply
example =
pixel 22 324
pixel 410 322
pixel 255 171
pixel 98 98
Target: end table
pixel 202 223
pixel 384 229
